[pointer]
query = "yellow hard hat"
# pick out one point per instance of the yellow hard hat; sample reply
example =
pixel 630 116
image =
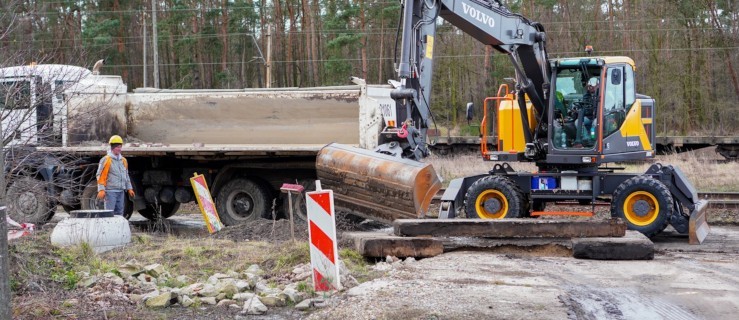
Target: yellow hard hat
pixel 115 139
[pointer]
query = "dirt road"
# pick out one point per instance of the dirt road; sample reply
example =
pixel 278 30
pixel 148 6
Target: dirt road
pixel 682 282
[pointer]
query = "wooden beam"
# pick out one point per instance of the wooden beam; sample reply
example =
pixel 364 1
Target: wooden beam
pixel 377 245
pixel 633 246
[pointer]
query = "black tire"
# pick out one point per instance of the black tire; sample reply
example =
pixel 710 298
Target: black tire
pixel 645 204
pixel 160 211
pixel 494 197
pixel 89 200
pixel 300 212
pixel 242 200
pixel 28 201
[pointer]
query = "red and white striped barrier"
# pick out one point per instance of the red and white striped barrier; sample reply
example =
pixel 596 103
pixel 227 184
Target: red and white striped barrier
pixel 324 255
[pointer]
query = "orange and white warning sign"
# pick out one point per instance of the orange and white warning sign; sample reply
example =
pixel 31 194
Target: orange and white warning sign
pixel 324 255
pixel 206 204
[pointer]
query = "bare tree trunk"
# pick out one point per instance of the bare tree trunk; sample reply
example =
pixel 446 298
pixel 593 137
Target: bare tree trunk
pixel 380 61
pixel 278 46
pixel 290 66
pixel 5 294
pixel 197 55
pixel 308 29
pixel 363 27
pixel 121 47
pixel 224 35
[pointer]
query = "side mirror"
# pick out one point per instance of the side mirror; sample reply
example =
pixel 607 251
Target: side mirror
pixel 616 77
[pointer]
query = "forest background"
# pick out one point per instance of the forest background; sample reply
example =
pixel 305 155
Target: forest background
pixel 686 52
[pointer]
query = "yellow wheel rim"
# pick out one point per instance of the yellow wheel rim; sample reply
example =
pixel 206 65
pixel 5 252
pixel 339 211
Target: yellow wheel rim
pixel 488 195
pixel 641 208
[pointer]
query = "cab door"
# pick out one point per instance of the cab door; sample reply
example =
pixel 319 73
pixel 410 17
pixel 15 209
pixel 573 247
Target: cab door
pixel 17 106
pixel 623 127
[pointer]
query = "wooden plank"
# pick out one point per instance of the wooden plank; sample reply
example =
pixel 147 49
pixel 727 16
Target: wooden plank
pixel 375 245
pixel 509 228
pixel 633 246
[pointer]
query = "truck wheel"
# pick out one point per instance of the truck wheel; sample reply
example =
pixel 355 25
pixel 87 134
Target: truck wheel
pixel 28 201
pixel 493 197
pixel 89 200
pixel 644 203
pixel 242 200
pixel 155 212
pixel 299 210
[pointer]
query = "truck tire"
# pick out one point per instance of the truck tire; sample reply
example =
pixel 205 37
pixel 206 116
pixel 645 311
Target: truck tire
pixel 160 211
pixel 28 201
pixel 89 200
pixel 493 197
pixel 300 212
pixel 644 203
pixel 242 200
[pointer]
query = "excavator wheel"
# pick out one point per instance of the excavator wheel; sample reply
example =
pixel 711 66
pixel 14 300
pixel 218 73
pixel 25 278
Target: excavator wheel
pixel 644 203
pixel 493 197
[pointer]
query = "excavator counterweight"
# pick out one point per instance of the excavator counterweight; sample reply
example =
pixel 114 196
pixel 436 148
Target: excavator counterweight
pixel 375 185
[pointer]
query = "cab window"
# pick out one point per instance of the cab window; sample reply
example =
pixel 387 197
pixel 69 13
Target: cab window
pixel 618 98
pixel 15 94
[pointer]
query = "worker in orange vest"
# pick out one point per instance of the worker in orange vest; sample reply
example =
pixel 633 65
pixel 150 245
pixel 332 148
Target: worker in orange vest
pixel 112 177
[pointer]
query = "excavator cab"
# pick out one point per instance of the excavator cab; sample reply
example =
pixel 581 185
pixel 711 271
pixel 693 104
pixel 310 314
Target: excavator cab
pixel 595 117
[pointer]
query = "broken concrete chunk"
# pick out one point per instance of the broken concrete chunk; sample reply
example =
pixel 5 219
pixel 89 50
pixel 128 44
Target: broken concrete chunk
pixel 154 270
pixel 161 301
pixel 273 300
pixel 254 306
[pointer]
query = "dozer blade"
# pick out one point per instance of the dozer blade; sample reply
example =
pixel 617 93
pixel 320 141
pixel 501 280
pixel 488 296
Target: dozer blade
pixel 698 225
pixel 374 185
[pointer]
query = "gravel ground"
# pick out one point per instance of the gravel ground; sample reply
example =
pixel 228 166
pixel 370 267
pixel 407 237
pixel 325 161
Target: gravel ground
pixel 682 282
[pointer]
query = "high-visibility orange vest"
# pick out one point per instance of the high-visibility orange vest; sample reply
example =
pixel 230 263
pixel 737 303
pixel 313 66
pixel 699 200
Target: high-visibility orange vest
pixel 103 180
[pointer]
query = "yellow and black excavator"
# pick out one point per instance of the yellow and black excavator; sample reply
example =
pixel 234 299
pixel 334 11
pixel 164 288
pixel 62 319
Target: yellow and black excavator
pixel 568 116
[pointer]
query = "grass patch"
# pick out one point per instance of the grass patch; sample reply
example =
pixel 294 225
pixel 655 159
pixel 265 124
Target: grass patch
pixel 357 265
pixel 195 258
pixel 285 256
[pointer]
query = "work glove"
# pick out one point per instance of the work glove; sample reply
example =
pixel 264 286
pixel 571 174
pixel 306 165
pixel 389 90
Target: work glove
pixel 130 193
pixel 101 194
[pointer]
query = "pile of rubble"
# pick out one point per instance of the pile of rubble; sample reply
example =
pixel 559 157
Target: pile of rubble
pixel 244 292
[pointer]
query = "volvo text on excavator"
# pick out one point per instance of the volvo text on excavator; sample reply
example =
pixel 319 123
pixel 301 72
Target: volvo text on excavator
pixel 568 116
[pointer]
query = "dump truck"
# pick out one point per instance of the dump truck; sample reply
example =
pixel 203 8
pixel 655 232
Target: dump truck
pixel 247 142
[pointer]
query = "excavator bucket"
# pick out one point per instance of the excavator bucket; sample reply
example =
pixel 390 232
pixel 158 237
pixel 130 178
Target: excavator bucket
pixel 374 185
pixel 698 226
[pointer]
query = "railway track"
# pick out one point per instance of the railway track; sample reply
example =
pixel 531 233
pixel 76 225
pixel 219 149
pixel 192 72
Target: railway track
pixel 717 200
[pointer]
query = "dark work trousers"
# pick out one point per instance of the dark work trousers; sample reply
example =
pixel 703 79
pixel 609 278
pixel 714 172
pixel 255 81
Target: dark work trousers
pixel 114 201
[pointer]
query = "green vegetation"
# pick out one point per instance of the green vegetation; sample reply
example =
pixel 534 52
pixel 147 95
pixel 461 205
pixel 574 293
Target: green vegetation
pixel 684 50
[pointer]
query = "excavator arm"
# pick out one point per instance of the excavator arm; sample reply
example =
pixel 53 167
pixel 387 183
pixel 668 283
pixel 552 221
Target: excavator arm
pixel 490 23
pixel 390 183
